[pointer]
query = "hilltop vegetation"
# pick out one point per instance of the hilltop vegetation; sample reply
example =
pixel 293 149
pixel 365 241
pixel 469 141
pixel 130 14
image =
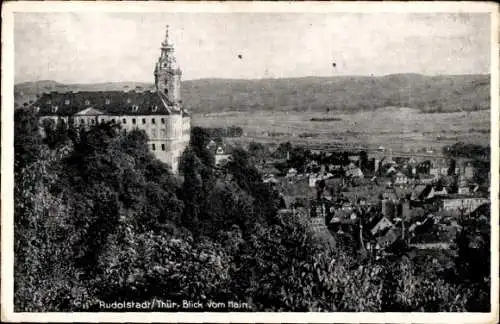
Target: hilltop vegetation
pixel 342 93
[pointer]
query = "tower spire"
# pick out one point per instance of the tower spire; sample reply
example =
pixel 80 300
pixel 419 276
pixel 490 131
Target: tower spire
pixel 166 42
pixel 168 75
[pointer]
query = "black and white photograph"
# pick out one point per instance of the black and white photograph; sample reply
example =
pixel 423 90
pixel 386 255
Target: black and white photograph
pixel 307 159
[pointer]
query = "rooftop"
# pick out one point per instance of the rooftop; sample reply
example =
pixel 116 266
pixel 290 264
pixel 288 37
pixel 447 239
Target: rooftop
pixel 107 102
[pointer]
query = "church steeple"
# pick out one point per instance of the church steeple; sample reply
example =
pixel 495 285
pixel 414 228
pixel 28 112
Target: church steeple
pixel 166 43
pixel 168 75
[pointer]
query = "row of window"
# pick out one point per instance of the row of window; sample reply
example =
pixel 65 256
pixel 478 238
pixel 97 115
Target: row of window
pixel 124 121
pixel 153 147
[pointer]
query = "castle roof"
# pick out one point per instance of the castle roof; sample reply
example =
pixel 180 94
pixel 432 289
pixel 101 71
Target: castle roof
pixel 90 112
pixel 103 102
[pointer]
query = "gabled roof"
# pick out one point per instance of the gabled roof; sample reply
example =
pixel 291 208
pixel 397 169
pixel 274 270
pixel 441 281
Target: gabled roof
pixel 420 192
pixel 109 102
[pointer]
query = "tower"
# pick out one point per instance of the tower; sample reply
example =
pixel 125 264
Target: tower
pixel 168 76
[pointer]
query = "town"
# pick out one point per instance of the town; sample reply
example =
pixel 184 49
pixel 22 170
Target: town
pixel 379 201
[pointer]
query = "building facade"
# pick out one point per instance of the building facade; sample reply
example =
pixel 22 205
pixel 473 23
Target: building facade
pixel 159 113
pixel 463 204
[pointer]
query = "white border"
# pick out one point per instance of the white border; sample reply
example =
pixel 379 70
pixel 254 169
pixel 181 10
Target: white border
pixel 127 6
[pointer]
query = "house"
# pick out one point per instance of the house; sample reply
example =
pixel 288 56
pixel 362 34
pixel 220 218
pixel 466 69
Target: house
pixel 388 208
pixel 354 173
pixel 211 145
pixel 420 192
pixel 400 178
pixel 437 192
pixel 390 194
pixel 426 179
pixel 462 204
pixel 382 224
pixel 334 167
pixel 435 172
pixel 353 159
pixel 270 178
pixel 391 170
pixel 292 172
pixel 315 178
pixel 388 238
pixel 222 154
pixel 469 172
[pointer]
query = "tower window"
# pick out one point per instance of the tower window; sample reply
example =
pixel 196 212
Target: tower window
pixel 163 147
pixel 152 121
pixel 163 120
pixel 133 121
pixel 144 120
pixel 153 147
pixel 124 120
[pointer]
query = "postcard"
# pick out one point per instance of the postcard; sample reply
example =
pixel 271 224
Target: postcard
pixel 250 162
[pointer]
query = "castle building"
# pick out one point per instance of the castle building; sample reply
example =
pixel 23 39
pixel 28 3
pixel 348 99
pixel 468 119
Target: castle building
pixel 159 113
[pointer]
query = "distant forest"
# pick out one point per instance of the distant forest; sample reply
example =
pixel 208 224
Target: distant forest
pixel 316 94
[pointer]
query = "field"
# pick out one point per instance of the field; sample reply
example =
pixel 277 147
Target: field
pixel 343 110
pixel 401 129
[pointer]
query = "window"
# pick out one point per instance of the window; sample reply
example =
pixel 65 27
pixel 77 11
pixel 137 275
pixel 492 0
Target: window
pixel 108 101
pixel 124 120
pixel 153 146
pixel 152 121
pixel 144 120
pixel 153 133
pixel 87 102
pixel 113 120
pixel 133 121
pixel 163 120
pixel 92 121
pixel 163 133
pixel 66 102
pixel 163 147
pixel 82 121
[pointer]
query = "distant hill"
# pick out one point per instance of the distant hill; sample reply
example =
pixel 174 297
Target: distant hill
pixel 342 93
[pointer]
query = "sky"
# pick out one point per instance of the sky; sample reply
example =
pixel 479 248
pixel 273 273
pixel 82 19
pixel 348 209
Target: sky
pixel 89 47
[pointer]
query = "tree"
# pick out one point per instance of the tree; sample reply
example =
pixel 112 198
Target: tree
pixel 27 139
pixel 363 161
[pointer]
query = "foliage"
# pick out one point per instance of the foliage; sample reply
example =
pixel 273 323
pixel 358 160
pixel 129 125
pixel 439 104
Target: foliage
pixel 97 217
